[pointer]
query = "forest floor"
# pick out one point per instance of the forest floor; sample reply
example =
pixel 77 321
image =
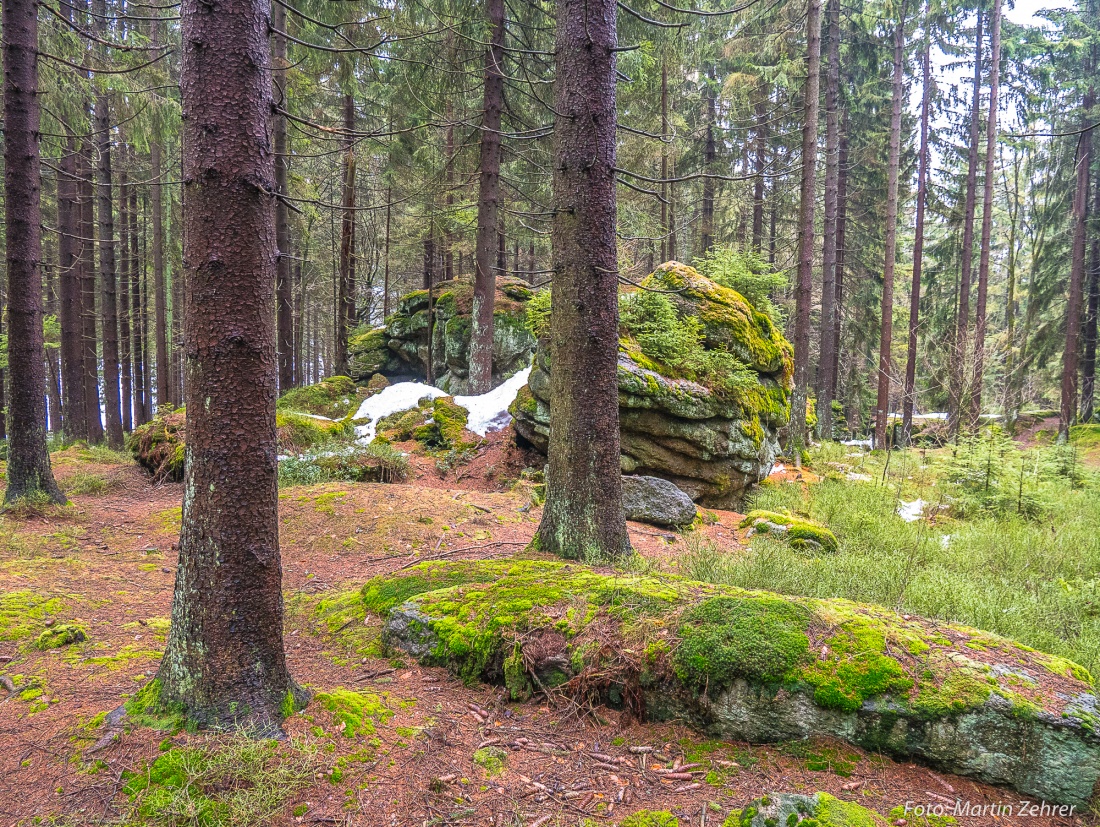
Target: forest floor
pixel 107 562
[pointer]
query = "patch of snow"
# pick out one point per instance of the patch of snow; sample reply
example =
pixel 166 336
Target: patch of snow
pixel 858 443
pixel 911 512
pixel 854 477
pixel 399 397
pixel 945 540
pixel 489 411
pixel 936 415
pixel 778 468
pixel 312 416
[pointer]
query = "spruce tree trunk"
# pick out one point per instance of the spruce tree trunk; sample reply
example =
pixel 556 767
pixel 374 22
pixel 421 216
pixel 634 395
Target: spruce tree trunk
pixel 88 314
pixel 975 406
pixel 706 225
pixel 1070 355
pixel 758 182
pixel 224 663
pixel 488 206
pixel 72 364
pixel 160 293
pixel 666 230
pixel 1088 358
pixel 886 330
pixel 283 288
pixel 125 350
pixel 583 515
pixel 841 233
pixel 827 357
pixel 345 303
pixel 804 283
pixel 28 468
pixel 909 402
pixel 137 315
pixel 957 391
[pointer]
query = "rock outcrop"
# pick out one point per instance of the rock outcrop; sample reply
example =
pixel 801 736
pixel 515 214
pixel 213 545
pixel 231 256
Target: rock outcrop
pixel 756 666
pixel 404 345
pixel 712 434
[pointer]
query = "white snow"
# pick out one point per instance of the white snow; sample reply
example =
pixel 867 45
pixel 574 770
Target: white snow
pixel 399 397
pixel 911 512
pixel 489 411
pixel 778 468
pixel 857 443
pixel 854 477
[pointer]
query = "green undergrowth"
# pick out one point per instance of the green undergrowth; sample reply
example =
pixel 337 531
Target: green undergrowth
pixel 474 617
pixel 23 614
pixel 334 397
pixel 817 810
pixel 377 461
pixel 1031 579
pixel 650 818
pixel 800 533
pixel 237 782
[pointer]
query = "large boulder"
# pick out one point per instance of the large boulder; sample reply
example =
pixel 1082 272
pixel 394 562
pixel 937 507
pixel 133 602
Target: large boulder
pixel 712 433
pixel 657 502
pixel 401 347
pixel 755 666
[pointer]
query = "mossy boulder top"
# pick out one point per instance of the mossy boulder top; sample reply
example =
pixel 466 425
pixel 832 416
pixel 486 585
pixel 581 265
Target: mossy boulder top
pixel 752 665
pixel 401 347
pixel 711 442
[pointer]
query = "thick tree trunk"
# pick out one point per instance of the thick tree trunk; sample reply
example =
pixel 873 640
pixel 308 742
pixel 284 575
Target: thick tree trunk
pixel 137 314
pixel 841 233
pixel 957 390
pixel 108 273
pixel 583 516
pixel 666 230
pixel 88 314
pixel 72 356
pixel 386 257
pixel 758 177
pixel 1070 356
pixel 345 299
pixel 804 283
pixel 909 402
pixel 488 206
pixel 28 469
pixel 706 224
pixel 886 330
pixel 1092 302
pixel 224 663
pixel 125 350
pixel 1013 198
pixel 826 381
pixel 975 406
pixel 283 291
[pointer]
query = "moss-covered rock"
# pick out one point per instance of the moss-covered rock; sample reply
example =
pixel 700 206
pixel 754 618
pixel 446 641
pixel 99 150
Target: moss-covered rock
pixel 756 666
pixel 799 532
pixel 334 398
pixel 791 810
pixel 159 444
pixel 406 336
pixel 297 432
pixel 64 634
pixel 704 383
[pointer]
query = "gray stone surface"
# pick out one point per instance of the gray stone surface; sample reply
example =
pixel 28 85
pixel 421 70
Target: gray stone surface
pixel 657 502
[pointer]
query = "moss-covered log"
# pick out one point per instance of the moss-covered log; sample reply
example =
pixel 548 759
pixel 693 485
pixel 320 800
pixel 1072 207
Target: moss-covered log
pixel 756 666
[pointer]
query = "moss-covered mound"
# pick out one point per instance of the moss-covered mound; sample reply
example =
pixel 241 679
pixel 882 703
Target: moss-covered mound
pixel 755 665
pixel 158 445
pixel 800 532
pixel 439 326
pixel 818 810
pixel 64 634
pixel 438 423
pixel 334 398
pixel 704 382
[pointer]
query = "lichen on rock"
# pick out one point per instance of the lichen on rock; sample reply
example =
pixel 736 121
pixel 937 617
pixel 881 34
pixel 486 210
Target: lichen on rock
pixel 704 383
pixel 754 666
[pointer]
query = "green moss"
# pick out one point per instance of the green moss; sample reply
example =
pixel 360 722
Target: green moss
pixel 800 532
pixel 23 613
pixel 298 431
pixel 158 445
pixel 491 759
pixel 355 713
pixel 334 397
pixel 650 818
pixel 724 638
pixel 959 691
pixel 854 666
pixel 367 352
pixel 63 634
pixel 443 431
pixel 147 709
pixel 515 675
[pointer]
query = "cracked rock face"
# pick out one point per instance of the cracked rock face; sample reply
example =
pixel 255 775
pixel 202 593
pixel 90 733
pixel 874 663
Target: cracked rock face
pixel 712 445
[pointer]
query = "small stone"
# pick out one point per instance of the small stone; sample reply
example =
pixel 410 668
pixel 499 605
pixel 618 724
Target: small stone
pixel 656 501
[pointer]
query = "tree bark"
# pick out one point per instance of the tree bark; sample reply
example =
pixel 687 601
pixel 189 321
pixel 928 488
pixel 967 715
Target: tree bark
pixel 72 357
pixel 1088 359
pixel 283 289
pixel 804 283
pixel 827 357
pixel 1070 356
pixel 125 350
pixel 28 470
pixel 137 315
pixel 758 181
pixel 706 224
pixel 841 234
pixel 88 292
pixel 909 402
pixel 345 302
pixel 957 391
pixel 886 330
pixel 224 663
pixel 975 406
pixel 488 206
pixel 583 516
pixel 108 273
pixel 666 230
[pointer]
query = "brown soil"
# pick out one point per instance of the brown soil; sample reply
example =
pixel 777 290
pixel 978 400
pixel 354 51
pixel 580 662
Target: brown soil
pixel 109 558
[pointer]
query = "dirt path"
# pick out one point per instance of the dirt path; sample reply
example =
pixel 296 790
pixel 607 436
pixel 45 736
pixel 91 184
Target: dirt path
pixel 108 563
